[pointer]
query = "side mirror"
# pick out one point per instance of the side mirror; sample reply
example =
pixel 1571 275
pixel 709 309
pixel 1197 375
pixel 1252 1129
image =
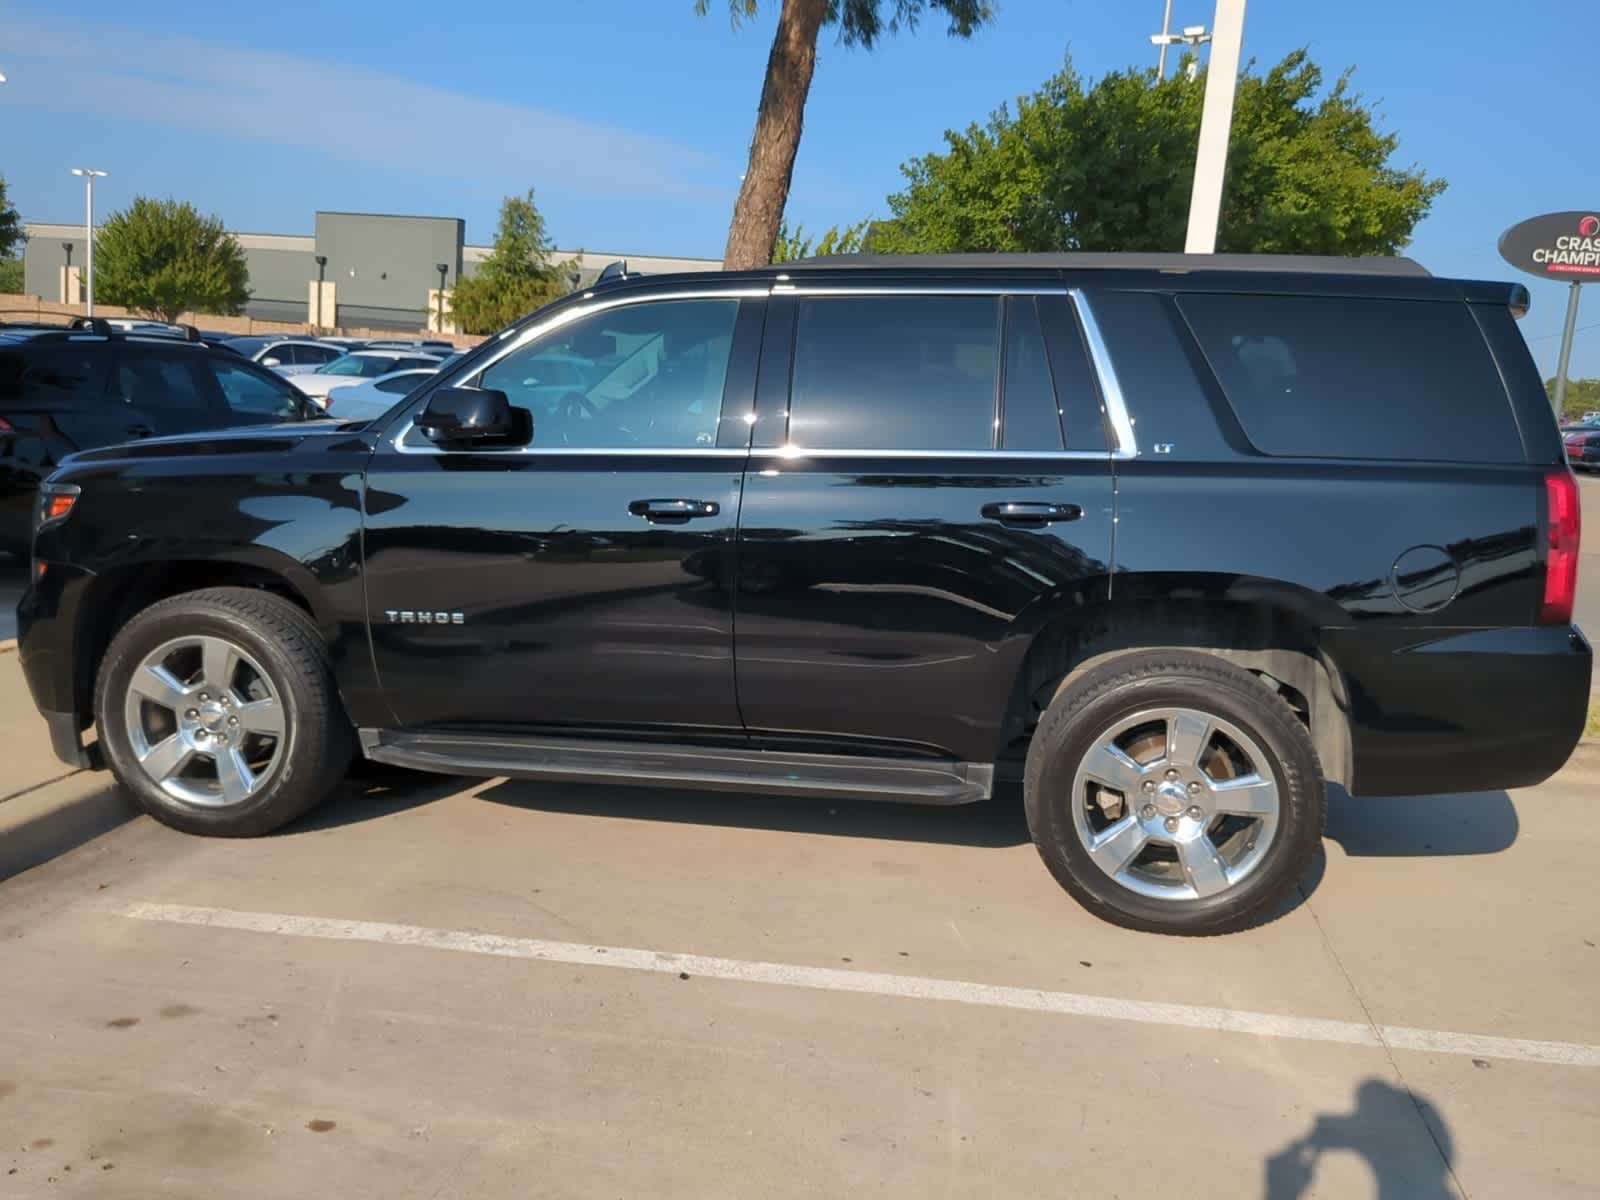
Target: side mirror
pixel 270 362
pixel 460 417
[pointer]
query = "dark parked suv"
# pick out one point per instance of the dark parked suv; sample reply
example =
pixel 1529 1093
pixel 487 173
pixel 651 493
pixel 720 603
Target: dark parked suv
pixel 67 390
pixel 1174 540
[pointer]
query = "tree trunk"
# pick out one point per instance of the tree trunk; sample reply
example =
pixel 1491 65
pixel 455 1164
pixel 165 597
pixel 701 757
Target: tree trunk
pixel 759 210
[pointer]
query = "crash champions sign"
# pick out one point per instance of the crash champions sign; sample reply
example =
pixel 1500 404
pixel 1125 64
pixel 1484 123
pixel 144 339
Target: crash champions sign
pixel 1564 245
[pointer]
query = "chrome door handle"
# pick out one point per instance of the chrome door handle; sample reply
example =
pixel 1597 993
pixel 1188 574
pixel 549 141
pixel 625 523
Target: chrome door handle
pixel 673 512
pixel 1030 512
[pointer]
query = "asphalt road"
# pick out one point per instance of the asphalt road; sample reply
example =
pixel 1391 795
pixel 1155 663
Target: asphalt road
pixel 492 989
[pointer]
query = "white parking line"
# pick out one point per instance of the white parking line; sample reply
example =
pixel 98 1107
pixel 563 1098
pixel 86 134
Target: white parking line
pixel 911 987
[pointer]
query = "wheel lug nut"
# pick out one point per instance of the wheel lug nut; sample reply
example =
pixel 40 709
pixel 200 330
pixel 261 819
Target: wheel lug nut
pixel 1149 785
pixel 1194 789
pixel 1172 773
pixel 233 720
pixel 199 735
pixel 204 698
pixel 1172 824
pixel 192 713
pixel 1194 811
pixel 1148 811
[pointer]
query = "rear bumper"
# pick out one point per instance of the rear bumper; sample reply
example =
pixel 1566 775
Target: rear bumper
pixel 1480 711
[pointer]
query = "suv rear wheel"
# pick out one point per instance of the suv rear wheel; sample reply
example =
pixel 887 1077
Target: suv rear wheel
pixel 1175 793
pixel 218 711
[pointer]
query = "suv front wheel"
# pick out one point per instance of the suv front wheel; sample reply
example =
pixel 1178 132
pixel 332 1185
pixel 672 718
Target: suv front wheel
pixel 1172 792
pixel 217 710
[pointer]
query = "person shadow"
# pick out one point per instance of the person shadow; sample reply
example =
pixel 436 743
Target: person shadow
pixel 1407 1163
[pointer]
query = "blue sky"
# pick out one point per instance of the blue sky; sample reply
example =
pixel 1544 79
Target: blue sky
pixel 631 118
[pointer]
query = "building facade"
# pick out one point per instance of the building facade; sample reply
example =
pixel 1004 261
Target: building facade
pixel 372 270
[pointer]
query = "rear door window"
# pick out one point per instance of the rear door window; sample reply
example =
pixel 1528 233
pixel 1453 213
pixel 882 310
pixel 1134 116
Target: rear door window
pixel 1345 377
pixel 896 373
pixel 156 381
pixel 1029 419
pixel 51 377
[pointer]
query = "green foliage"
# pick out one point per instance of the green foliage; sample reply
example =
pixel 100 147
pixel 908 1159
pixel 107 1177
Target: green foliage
pixel 10 276
pixel 10 224
pixel 162 258
pixel 1109 166
pixel 862 22
pixel 793 243
pixel 518 275
pixel 1583 395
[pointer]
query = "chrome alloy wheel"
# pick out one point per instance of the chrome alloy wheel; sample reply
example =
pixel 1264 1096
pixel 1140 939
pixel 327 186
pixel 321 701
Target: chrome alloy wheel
pixel 1175 804
pixel 204 721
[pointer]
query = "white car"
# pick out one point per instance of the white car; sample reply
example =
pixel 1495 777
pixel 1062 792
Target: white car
pixel 357 367
pixel 374 397
pixel 285 355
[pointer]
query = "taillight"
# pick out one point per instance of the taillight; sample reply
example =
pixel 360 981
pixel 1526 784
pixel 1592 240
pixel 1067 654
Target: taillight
pixel 1561 554
pixel 6 426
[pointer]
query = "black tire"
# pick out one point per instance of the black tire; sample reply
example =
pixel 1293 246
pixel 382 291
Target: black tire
pixel 1119 690
pixel 317 741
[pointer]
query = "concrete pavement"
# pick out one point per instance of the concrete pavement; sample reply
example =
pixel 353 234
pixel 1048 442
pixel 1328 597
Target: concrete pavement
pixel 440 988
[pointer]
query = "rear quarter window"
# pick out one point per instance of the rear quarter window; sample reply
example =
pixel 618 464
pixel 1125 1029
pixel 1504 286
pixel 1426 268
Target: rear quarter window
pixel 1346 377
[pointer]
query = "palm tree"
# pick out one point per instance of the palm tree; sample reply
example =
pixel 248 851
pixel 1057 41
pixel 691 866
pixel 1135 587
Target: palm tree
pixel 759 209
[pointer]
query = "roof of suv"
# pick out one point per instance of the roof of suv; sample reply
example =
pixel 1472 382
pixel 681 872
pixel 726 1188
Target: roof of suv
pixel 1125 261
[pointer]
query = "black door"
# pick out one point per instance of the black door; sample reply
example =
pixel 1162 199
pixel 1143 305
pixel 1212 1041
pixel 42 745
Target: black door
pixel 925 509
pixel 581 582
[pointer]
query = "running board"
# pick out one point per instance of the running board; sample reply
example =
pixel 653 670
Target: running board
pixel 911 781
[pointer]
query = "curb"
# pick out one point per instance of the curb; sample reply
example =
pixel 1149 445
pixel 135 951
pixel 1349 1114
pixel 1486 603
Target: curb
pixel 7 644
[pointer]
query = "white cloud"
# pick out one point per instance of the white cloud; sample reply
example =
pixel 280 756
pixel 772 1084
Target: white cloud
pixel 354 113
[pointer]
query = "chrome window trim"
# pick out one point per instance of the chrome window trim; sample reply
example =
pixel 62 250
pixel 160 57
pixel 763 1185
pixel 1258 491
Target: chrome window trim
pixel 1100 363
pixel 1110 388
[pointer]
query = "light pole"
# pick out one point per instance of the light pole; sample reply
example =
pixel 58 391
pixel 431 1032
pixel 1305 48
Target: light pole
pixel 89 176
pixel 1216 125
pixel 1163 39
pixel 322 266
pixel 443 269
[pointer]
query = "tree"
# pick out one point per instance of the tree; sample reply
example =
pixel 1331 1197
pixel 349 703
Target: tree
pixel 758 212
pixel 163 259
pixel 518 275
pixel 11 240
pixel 10 224
pixel 1583 395
pixel 793 243
pixel 1108 166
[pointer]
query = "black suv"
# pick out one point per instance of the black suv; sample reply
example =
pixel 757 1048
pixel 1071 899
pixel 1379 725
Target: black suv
pixel 67 390
pixel 1174 540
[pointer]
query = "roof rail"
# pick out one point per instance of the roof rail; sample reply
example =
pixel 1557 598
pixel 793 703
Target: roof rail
pixel 98 326
pixel 1311 264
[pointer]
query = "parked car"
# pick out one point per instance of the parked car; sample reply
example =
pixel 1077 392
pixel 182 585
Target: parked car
pixel 1583 447
pixel 426 345
pixel 286 355
pixel 350 369
pixel 374 397
pixel 63 391
pixel 1138 530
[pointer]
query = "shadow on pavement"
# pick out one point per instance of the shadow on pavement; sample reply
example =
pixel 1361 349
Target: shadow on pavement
pixel 374 790
pixel 996 823
pixel 1422 826
pixel 35 828
pixel 1407 1163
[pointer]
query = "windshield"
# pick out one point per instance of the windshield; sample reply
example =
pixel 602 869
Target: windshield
pixel 366 366
pixel 248 346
